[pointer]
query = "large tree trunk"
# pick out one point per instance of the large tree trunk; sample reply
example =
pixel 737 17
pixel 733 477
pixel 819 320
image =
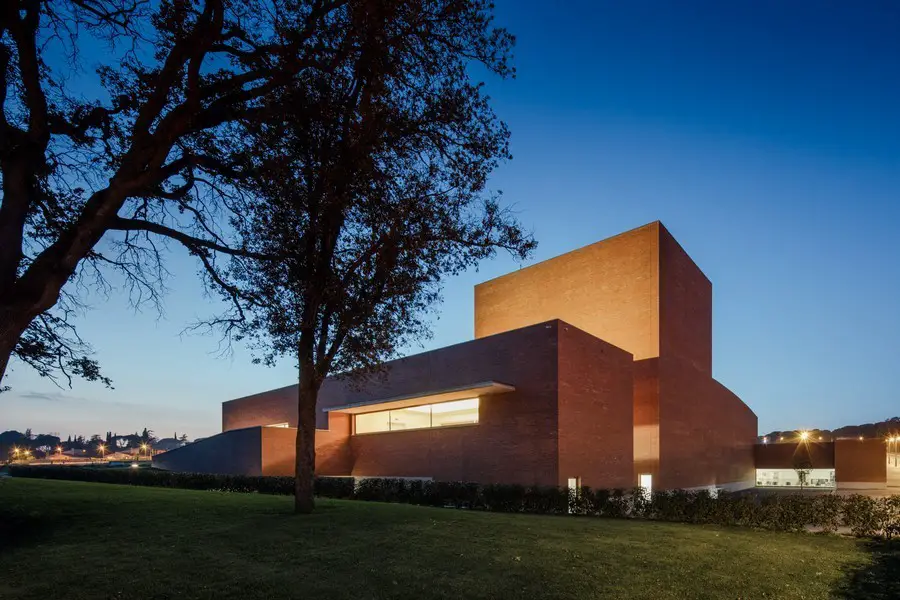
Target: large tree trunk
pixel 9 337
pixel 11 329
pixel 305 471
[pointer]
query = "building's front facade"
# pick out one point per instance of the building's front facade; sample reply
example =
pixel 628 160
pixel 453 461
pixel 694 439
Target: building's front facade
pixel 843 463
pixel 591 368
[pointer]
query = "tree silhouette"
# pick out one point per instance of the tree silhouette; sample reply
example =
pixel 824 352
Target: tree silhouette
pixel 92 183
pixel 371 196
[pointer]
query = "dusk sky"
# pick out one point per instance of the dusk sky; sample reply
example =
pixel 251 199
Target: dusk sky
pixel 764 135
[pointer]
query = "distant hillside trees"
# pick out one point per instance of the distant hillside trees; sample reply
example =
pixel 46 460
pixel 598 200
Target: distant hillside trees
pixel 880 429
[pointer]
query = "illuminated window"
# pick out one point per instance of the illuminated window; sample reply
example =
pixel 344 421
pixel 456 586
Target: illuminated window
pixel 821 478
pixel 372 422
pixel 443 414
pixel 461 412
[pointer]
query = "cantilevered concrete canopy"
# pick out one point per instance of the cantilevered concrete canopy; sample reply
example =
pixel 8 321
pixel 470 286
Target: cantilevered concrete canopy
pixel 482 388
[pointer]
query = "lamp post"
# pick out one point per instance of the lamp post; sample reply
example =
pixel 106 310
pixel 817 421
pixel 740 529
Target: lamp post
pixel 102 450
pixel 146 448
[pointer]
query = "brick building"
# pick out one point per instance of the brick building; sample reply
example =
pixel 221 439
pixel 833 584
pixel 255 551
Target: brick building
pixel 594 367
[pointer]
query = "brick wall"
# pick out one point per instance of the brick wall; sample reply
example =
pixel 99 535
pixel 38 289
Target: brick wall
pixel 790 454
pixel 236 452
pixel 267 408
pixel 685 306
pixel 525 436
pixel 646 418
pixel 334 456
pixel 609 289
pixel 277 450
pixel 515 440
pixel 861 462
pixel 706 433
pixel 595 411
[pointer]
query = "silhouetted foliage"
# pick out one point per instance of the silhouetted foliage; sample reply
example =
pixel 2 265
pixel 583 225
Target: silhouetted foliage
pixel 371 196
pixel 94 176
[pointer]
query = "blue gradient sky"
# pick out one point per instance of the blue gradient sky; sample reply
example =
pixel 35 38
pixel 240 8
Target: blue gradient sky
pixel 764 135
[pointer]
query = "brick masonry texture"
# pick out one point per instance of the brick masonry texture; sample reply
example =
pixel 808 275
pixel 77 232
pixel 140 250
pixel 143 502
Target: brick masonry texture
pixel 706 433
pixel 860 461
pixel 646 417
pixel 567 384
pixel 596 419
pixel 685 306
pixel 237 452
pixel 641 291
pixel 787 455
pixel 610 350
pixel 267 408
pixel 515 440
pixel 609 289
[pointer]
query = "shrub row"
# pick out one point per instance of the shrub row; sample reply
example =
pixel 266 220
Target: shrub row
pixel 861 515
pixel 329 487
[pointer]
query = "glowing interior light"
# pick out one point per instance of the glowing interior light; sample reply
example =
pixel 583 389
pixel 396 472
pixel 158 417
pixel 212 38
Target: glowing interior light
pixel 467 404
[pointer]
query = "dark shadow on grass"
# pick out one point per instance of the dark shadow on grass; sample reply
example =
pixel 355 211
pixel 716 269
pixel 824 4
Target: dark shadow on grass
pixel 880 579
pixel 18 530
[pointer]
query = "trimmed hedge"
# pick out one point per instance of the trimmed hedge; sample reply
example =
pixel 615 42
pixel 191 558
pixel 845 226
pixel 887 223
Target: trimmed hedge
pixel 862 515
pixel 330 487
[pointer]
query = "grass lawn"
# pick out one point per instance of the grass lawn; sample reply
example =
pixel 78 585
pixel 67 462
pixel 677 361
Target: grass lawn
pixel 81 540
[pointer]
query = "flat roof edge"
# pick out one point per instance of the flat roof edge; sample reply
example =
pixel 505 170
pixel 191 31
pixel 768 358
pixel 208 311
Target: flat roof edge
pixel 477 388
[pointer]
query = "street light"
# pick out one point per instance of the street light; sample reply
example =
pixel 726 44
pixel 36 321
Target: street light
pixel 804 435
pixel 146 449
pixel 102 450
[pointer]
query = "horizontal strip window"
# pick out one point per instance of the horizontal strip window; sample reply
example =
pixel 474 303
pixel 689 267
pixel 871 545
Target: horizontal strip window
pixel 821 478
pixel 426 416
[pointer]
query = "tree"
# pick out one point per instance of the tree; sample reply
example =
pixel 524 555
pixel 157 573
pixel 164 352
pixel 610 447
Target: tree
pixel 92 183
pixel 183 438
pixel 372 195
pixel 803 467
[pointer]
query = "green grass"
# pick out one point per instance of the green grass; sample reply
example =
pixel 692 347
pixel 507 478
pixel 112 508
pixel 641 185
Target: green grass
pixel 81 540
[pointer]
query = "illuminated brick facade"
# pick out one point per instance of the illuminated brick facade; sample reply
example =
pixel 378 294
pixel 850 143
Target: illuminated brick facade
pixel 595 365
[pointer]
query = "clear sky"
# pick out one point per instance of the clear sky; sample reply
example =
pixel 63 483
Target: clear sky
pixel 764 135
